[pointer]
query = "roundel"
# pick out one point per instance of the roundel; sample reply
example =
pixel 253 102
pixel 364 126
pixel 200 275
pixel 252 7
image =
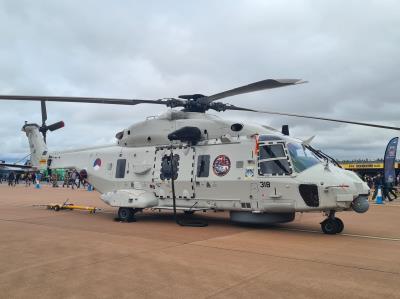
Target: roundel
pixel 221 165
pixel 97 164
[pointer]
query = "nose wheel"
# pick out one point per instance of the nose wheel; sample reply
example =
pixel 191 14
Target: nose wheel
pixel 332 225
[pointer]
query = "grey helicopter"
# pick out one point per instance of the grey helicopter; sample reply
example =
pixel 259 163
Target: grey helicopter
pixel 189 160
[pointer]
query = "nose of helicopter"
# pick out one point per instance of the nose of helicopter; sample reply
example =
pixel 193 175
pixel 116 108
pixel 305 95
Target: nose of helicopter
pixel 337 187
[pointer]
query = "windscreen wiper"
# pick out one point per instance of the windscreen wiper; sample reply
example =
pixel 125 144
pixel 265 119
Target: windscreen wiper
pixel 317 153
pixel 324 156
pixel 334 161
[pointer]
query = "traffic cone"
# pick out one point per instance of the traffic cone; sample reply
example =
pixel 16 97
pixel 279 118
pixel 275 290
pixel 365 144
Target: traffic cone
pixel 379 199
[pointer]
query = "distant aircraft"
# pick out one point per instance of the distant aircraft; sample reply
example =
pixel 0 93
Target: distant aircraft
pixel 16 166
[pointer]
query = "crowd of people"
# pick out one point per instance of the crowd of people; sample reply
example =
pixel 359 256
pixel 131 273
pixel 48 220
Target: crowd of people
pixel 15 178
pixel 377 182
pixel 74 178
pixel 71 178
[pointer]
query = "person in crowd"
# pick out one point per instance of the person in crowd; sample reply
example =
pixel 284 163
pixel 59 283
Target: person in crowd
pixel 390 190
pixel 54 179
pixel 28 179
pixel 78 179
pixel 83 177
pixel 378 183
pixel 67 175
pixel 387 188
pixel 370 182
pixel 74 177
pixel 11 179
pixel 17 178
pixel 38 177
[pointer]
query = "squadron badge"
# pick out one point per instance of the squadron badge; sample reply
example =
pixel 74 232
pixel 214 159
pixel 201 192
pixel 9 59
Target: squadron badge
pixel 221 165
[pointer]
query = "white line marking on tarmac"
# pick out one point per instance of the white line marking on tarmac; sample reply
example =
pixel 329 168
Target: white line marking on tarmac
pixel 343 234
pixel 385 205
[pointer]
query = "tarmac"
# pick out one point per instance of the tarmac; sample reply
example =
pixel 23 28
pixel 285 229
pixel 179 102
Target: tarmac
pixel 74 254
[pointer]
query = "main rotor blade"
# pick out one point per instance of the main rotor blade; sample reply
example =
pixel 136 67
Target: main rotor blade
pixel 114 101
pixel 44 112
pixel 232 107
pixel 256 86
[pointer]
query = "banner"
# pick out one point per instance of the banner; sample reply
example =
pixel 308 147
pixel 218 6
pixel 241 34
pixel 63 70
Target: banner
pixel 390 158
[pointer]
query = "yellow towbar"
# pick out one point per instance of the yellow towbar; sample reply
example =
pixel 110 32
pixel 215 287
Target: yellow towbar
pixel 69 206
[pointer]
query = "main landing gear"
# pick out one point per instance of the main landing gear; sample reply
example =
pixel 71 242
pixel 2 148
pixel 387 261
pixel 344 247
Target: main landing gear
pixel 332 225
pixel 127 214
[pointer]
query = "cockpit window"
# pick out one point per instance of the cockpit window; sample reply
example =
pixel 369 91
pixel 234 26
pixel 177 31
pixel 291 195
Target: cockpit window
pixel 272 151
pixel 273 160
pixel 274 167
pixel 302 157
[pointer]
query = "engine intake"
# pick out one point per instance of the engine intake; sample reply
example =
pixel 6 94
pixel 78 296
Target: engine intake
pixel 189 134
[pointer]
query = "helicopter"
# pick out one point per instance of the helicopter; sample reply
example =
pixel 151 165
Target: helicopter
pixel 189 160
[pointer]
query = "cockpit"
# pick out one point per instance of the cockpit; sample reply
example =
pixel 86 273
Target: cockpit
pixel 282 156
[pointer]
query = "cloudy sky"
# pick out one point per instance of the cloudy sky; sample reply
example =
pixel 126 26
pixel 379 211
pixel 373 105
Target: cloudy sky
pixel 349 51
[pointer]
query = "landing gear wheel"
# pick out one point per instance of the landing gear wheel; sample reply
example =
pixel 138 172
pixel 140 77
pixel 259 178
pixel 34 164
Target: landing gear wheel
pixel 126 214
pixel 188 212
pixel 330 226
pixel 340 225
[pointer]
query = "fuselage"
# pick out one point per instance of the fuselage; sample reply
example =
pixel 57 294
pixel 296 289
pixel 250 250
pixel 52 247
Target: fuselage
pixel 234 166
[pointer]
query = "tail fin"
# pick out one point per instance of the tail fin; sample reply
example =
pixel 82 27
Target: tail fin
pixel 37 145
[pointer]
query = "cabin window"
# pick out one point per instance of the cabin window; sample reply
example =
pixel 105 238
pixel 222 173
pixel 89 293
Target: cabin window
pixel 273 160
pixel 203 166
pixel 167 168
pixel 120 170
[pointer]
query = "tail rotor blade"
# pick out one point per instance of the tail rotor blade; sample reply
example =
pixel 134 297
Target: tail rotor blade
pixel 56 126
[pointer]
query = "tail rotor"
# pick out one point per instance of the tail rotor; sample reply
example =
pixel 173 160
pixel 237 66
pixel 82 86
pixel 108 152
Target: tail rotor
pixel 44 128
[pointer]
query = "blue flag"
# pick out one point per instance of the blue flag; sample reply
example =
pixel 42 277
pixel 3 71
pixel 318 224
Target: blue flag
pixel 390 159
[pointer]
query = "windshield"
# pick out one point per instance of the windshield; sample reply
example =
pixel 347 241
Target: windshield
pixel 302 157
